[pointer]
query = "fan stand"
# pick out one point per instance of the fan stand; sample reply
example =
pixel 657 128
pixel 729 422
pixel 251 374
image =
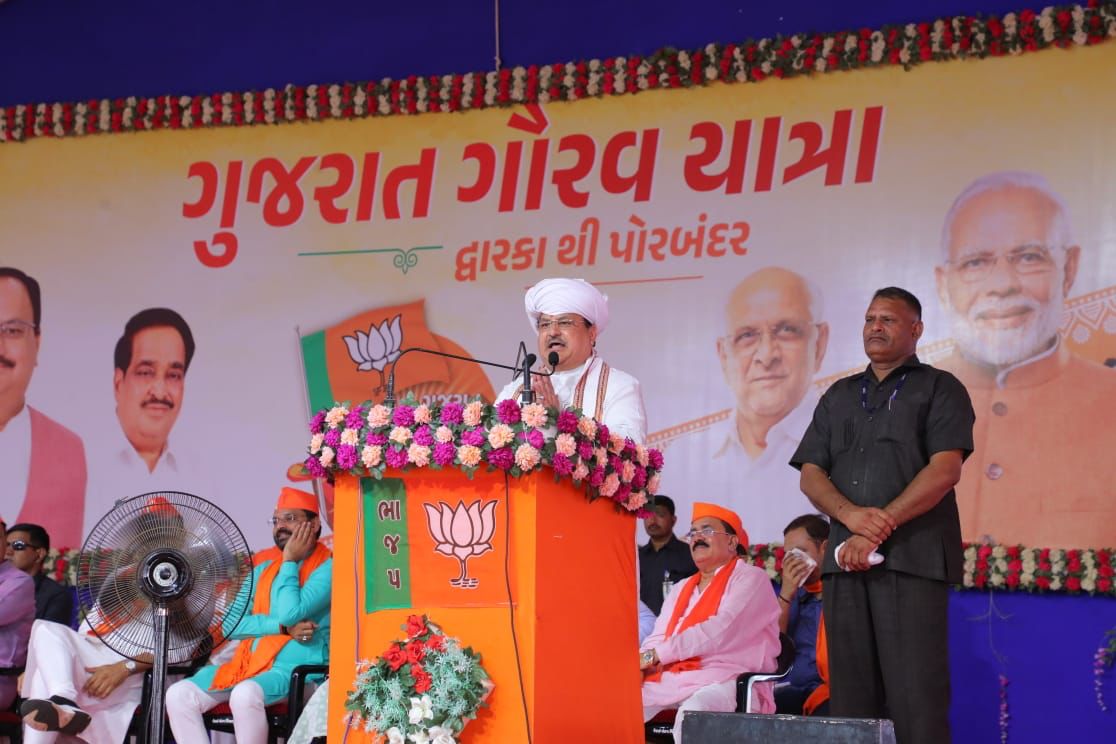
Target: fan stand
pixel 165 576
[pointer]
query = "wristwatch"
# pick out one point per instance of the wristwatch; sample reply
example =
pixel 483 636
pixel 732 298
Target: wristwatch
pixel 648 656
pixel 130 666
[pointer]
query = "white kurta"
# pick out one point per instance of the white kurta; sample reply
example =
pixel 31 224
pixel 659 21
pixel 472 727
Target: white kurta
pixel 623 410
pixel 712 465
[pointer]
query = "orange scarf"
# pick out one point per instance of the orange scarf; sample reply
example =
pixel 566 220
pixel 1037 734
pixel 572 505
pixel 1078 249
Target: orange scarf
pixel 706 607
pixel 248 661
pixel 821 652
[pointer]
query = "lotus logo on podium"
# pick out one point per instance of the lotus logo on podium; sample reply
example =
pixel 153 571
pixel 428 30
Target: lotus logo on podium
pixel 462 532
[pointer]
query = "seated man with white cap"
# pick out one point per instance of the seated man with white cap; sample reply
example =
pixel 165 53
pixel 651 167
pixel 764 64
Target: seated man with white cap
pixel 288 625
pixel 721 622
pixel 569 315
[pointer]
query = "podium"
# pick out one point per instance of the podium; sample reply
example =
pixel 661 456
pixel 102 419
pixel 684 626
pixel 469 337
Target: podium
pixel 528 555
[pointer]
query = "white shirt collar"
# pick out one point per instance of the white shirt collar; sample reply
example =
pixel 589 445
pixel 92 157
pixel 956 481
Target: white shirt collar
pixel 790 427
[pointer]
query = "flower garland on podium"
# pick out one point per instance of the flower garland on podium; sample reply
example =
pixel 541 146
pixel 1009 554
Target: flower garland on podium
pixel 425 688
pixel 366 439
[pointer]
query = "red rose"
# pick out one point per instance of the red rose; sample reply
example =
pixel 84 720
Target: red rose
pixel 1042 582
pixel 984 551
pixel 436 642
pixel 1104 584
pixel 1012 580
pixel 422 679
pixel 1105 570
pixel 979 580
pixel 395 657
pixel 415 652
pixel 1073 584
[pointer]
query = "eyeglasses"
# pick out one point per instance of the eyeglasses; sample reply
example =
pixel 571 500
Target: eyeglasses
pixel 286 519
pixel 1024 260
pixel 706 532
pixel 557 324
pixel 748 338
pixel 16 330
pixel 19 546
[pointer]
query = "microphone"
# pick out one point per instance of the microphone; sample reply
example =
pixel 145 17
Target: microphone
pixel 552 360
pixel 527 395
pixel 389 396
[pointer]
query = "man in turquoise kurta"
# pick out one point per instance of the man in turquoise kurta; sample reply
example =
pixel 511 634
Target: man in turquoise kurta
pixel 288 626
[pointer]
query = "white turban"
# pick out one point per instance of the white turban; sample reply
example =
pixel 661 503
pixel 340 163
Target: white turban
pixel 560 296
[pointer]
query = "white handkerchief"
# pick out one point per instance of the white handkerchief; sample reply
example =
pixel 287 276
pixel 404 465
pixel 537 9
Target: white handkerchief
pixel 810 563
pixel 874 558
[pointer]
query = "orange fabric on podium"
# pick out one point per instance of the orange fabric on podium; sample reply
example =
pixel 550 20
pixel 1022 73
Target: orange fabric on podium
pixel 573 577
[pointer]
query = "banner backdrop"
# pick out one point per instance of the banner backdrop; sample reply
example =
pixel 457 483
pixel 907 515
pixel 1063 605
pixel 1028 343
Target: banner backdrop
pixel 739 232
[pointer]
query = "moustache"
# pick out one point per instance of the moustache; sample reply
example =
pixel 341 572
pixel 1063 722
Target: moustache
pixel 158 402
pixel 994 305
pixel 283 533
pixel 696 543
pixel 5 362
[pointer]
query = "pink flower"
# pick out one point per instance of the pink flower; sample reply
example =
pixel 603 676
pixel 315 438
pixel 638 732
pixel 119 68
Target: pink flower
pixel 587 427
pixel 567 422
pixel 622 493
pixel 376 438
pixel 501 458
pixel 565 445
pixel 596 477
pixel 580 472
pixel 395 458
pixel 500 435
pixel 443 434
pixel 336 415
pixel 527 457
pixel 314 466
pixel 610 485
pixel 600 455
pixel 424 436
pixel 400 435
pixel 474 437
pixel 508 411
pixel 615 443
pixel 468 455
pixel 656 458
pixel 627 471
pixel 641 455
pixel 562 465
pixel 422 414
pixel 585 449
pixel 534 415
pixel 451 413
pixel 639 480
pixel 419 455
pixel 473 413
pixel 346 457
pixel 636 500
pixel 535 438
pixel 403 416
pixel 371 455
pixel 379 416
pixel 602 434
pixel 326 457
pixel 444 452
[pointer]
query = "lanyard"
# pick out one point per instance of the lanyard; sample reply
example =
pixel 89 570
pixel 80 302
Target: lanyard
pixel 893 396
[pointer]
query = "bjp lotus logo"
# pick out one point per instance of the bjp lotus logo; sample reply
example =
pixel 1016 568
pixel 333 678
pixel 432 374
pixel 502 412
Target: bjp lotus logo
pixel 462 532
pixel 377 348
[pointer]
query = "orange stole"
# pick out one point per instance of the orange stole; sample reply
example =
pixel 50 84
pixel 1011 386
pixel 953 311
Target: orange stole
pixel 248 661
pixel 705 608
pixel 821 652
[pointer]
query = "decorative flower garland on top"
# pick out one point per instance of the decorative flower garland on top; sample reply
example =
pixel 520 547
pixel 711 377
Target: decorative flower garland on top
pixel 960 37
pixel 366 439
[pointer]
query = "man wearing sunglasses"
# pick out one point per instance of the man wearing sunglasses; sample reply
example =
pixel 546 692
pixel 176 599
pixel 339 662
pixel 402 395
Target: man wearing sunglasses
pixel 721 622
pixel 28 546
pixel 17 613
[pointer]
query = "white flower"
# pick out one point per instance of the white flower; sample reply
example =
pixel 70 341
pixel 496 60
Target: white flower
pixel 441 735
pixel 316 443
pixel 327 456
pixel 395 736
pixel 336 415
pixel 420 737
pixel 349 436
pixel 421 708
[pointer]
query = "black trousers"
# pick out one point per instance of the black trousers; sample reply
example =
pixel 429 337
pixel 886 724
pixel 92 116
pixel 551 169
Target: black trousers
pixel 888 640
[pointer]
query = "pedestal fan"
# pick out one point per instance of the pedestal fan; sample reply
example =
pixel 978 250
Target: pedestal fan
pixel 167 574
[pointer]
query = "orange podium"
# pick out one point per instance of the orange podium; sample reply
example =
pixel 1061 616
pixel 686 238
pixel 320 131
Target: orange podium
pixel 527 571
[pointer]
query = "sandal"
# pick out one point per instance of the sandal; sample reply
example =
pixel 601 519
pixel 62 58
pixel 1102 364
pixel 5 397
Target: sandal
pixel 45 712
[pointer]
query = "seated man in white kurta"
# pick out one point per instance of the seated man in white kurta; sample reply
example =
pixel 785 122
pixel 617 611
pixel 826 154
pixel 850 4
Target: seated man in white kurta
pixel 569 315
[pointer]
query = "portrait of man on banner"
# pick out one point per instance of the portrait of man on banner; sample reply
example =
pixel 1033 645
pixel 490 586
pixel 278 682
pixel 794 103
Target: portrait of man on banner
pixel 1043 470
pixel 772 343
pixel 42 463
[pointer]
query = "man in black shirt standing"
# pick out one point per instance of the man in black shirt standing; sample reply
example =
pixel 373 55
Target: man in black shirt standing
pixel 664 558
pixel 881 458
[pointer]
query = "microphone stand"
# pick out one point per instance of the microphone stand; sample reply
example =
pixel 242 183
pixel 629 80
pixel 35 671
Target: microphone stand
pixel 389 397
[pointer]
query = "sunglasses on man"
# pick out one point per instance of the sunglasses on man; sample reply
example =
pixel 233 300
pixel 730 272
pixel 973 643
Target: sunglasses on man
pixel 19 545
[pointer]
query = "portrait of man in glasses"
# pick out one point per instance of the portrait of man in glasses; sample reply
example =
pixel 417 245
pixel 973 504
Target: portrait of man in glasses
pixel 1043 461
pixel 772 342
pixel 42 463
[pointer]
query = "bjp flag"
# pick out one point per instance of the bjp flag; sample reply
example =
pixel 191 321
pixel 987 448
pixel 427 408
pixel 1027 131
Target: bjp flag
pixel 352 360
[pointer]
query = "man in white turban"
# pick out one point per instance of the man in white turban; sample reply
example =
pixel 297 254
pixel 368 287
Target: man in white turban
pixel 569 315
